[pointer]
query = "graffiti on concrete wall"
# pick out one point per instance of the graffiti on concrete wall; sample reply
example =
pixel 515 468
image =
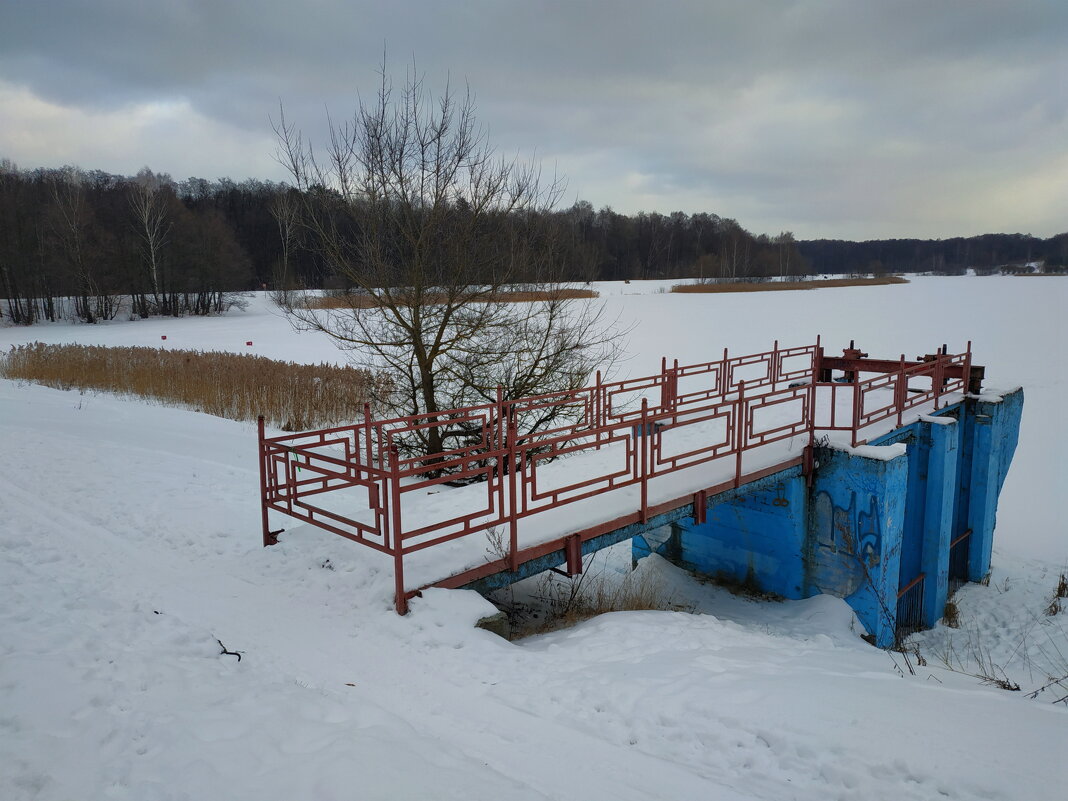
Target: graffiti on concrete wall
pixel 848 540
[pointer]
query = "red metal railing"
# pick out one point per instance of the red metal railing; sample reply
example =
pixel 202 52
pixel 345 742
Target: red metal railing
pixel 630 432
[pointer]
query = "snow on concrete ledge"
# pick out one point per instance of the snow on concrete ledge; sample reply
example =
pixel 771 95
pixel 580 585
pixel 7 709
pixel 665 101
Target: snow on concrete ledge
pixel 882 453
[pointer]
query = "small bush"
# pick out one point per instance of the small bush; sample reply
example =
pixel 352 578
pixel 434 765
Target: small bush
pixel 1056 606
pixel 951 615
pixel 236 386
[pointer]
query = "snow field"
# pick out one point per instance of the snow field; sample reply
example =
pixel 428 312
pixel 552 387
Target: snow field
pixel 129 542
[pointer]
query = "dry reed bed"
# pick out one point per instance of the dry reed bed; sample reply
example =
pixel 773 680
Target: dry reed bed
pixel 785 286
pixel 363 301
pixel 239 387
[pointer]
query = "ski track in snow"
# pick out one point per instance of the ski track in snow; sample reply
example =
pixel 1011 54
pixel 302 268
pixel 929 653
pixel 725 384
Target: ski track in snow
pixel 129 544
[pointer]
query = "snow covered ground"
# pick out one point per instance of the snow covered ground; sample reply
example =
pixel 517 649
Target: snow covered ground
pixel 129 547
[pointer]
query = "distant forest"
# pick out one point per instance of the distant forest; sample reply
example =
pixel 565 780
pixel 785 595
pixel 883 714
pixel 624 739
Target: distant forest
pixel 78 243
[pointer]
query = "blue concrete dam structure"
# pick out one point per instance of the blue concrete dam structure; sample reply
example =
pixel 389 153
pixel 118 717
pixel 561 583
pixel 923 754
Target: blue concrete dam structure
pixel 893 527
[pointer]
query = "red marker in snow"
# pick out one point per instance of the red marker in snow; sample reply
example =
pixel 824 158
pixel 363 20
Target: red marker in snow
pixel 164 336
pixel 249 343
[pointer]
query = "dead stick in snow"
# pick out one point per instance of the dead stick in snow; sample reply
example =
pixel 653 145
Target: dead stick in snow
pixel 231 653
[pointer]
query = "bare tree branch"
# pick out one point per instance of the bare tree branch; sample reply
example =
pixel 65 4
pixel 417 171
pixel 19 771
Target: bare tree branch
pixel 415 211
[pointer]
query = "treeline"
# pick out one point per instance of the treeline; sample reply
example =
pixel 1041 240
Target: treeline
pixel 87 244
pixel 607 246
pixel 987 253
pixel 90 245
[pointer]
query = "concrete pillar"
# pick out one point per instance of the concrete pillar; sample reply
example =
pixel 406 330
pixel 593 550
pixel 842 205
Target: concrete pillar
pixel 995 422
pixel 938 514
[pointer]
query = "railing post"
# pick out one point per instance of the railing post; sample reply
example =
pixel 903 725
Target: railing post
pixel 674 391
pixel 396 540
pixel 600 401
pixel 644 434
pixel 510 435
pixel 291 477
pixel 938 376
pixel 598 411
pixel 498 442
pixel 901 387
pixel 858 407
pixel 822 375
pixel 810 449
pixel 268 537
pixel 739 434
pixel 665 385
pixel 966 378
pixel 368 459
pixel 724 378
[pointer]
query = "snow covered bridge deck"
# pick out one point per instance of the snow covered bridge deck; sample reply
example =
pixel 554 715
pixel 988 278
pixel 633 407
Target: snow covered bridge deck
pixel 531 483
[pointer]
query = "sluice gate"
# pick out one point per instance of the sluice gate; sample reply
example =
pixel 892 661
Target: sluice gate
pixel 874 480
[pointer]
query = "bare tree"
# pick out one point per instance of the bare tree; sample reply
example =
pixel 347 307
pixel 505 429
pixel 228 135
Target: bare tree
pixel 785 244
pixel 149 204
pixel 412 207
pixel 286 210
pixel 71 226
pixel 736 261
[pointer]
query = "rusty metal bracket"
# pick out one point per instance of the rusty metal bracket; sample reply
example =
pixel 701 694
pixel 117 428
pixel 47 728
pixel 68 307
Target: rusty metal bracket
pixel 700 507
pixel 808 465
pixel 573 551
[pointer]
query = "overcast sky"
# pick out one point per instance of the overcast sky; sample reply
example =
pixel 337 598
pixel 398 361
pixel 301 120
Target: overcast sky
pixel 830 118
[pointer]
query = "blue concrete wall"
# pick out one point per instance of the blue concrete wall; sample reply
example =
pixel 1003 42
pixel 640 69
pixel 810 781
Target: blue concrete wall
pixel 871 522
pixel 841 537
pixel 754 539
pixel 856 521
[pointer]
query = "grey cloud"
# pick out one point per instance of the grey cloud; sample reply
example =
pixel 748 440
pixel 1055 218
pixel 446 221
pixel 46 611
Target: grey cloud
pixel 808 114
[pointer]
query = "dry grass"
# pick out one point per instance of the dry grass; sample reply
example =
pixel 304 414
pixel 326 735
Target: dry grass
pixel 747 587
pixel 1056 606
pixel 564 602
pixel 238 387
pixel 363 301
pixel 951 615
pixel 785 286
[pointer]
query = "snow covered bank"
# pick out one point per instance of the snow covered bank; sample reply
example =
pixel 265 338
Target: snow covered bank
pixel 129 544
